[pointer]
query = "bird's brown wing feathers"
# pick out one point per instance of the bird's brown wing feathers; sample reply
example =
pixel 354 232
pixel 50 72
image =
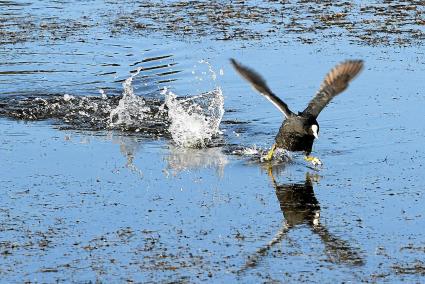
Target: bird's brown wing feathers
pixel 334 83
pixel 260 85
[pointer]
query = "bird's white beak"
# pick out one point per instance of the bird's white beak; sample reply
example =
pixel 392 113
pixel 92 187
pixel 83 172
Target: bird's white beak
pixel 314 128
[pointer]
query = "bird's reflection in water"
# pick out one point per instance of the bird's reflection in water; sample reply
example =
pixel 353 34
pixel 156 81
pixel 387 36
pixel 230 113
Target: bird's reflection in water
pixel 300 207
pixel 186 159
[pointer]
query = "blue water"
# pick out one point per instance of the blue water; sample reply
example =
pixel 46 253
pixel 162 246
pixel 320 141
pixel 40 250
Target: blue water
pixel 80 205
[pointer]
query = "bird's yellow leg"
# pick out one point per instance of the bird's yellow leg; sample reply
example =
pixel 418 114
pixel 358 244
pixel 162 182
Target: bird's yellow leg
pixel 270 174
pixel 314 160
pixel 270 153
pixel 312 177
pixel 270 171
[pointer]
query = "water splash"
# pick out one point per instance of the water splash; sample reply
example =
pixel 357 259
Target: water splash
pixel 259 154
pixel 131 109
pixel 249 151
pixel 191 121
pixel 195 121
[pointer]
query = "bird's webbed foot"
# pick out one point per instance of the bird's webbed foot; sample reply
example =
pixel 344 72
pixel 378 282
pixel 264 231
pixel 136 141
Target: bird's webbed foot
pixel 314 160
pixel 269 156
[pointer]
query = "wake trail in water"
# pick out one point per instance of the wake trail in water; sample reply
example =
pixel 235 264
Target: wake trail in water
pixel 190 121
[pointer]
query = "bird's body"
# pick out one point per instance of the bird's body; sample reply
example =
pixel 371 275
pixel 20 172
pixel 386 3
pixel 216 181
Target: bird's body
pixel 298 131
pixel 294 134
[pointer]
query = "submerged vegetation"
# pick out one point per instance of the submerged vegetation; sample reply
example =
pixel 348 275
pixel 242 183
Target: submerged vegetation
pixel 399 23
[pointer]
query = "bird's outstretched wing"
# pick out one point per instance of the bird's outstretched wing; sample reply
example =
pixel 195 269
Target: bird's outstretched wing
pixel 260 85
pixel 334 83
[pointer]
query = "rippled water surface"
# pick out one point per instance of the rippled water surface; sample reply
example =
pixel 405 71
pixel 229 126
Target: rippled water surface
pixel 130 149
